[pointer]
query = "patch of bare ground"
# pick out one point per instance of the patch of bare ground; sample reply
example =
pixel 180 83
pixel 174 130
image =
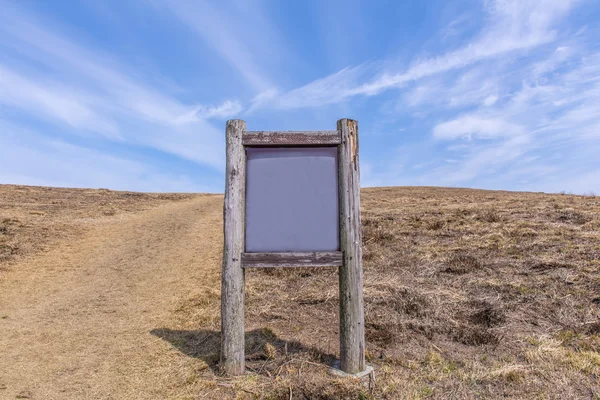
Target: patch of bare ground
pixel 468 294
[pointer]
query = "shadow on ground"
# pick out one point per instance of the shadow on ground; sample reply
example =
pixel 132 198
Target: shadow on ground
pixel 261 345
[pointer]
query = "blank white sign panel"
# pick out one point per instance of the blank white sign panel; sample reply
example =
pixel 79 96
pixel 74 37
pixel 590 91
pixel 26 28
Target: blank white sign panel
pixel 292 200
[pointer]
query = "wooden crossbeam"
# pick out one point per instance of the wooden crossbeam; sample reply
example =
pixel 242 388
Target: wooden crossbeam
pixel 291 138
pixel 269 260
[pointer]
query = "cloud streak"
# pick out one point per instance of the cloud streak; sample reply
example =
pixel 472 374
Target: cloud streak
pixel 470 126
pixel 54 102
pixel 29 158
pixel 98 94
pixel 513 25
pixel 240 34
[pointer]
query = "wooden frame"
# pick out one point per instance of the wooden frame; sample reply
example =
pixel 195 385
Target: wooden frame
pixel 348 259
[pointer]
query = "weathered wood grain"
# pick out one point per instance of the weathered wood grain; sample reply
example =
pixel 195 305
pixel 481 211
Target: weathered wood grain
pixel 232 281
pixel 352 330
pixel 291 138
pixel 315 259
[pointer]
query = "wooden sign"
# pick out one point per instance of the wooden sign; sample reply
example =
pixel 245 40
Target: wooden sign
pixel 292 199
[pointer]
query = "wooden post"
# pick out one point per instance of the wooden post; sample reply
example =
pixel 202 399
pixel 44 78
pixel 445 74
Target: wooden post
pixel 352 329
pixel 232 281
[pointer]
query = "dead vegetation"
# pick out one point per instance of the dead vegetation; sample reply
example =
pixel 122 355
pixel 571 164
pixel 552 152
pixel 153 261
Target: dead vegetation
pixel 468 294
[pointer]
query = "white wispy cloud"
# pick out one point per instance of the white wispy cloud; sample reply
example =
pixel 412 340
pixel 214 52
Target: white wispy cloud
pixel 490 100
pixel 54 101
pixel 554 111
pixel 454 26
pixel 91 91
pixel 484 160
pixel 334 88
pixel 239 33
pixel 512 25
pixel 226 110
pixel 30 158
pixel 535 127
pixel 477 85
pixel 469 126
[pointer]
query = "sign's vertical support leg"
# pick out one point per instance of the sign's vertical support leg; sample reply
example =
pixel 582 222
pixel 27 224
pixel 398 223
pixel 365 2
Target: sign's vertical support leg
pixel 352 330
pixel 232 281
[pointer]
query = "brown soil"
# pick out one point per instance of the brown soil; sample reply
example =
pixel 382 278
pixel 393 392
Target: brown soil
pixel 468 294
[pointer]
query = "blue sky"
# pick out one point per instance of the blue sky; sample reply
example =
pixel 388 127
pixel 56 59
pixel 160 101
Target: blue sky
pixel 134 94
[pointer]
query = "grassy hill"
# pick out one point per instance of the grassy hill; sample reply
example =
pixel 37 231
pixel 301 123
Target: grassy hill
pixel 468 294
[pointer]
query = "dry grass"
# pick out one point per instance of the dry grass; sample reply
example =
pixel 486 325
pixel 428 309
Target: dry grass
pixel 33 218
pixel 468 294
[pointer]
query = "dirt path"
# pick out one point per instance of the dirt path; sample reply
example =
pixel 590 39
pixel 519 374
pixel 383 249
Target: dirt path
pixel 75 322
